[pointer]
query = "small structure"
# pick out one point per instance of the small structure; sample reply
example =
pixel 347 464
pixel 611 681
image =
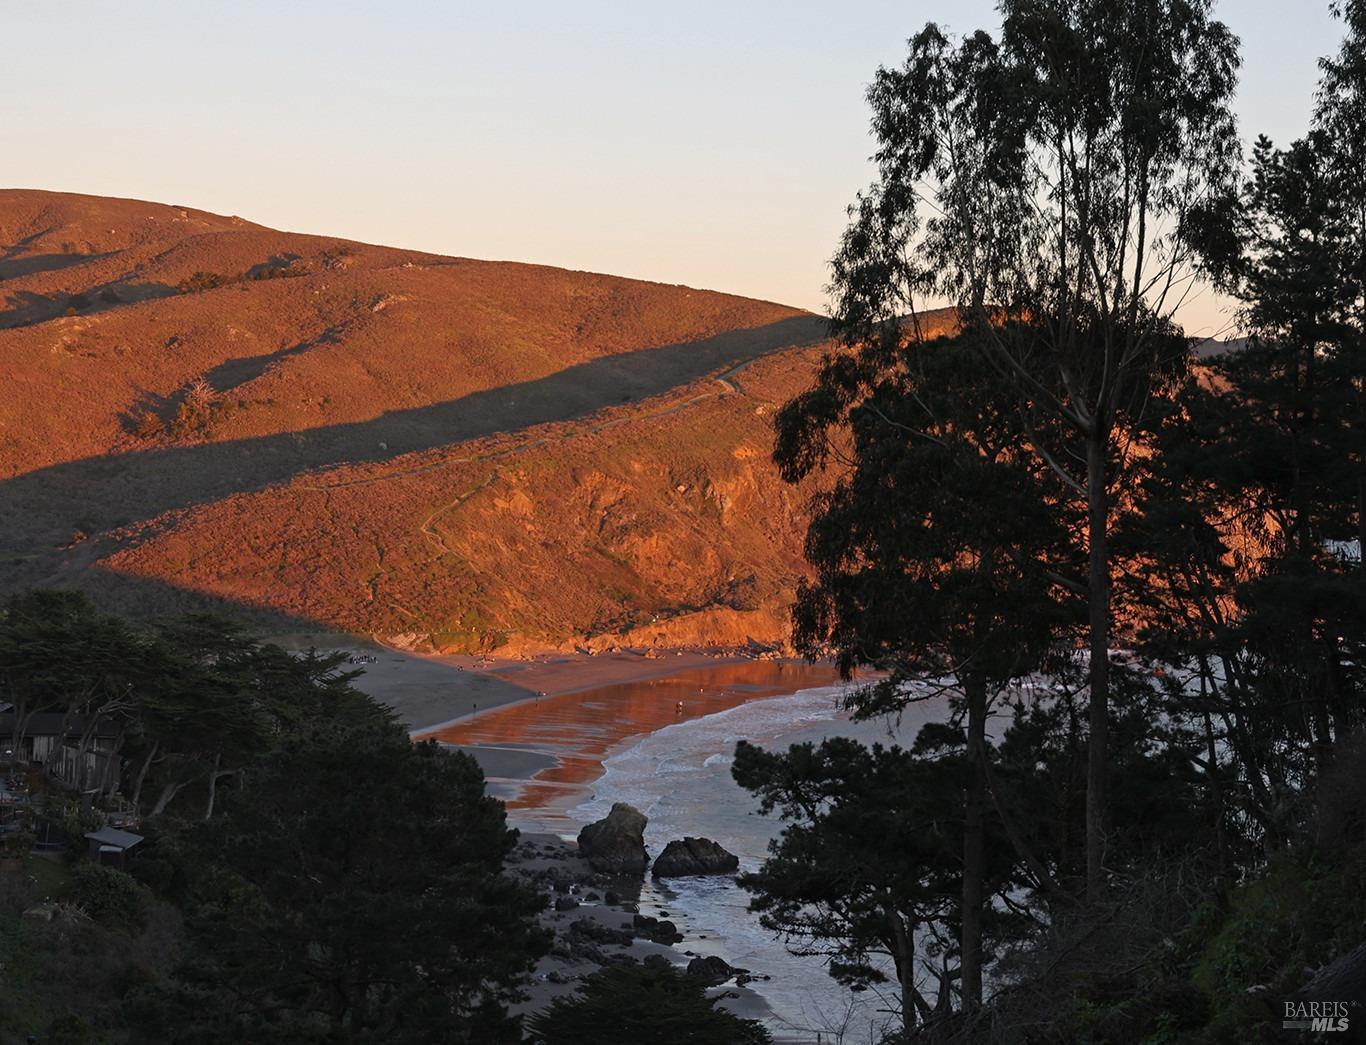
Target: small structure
pixel 54 741
pixel 110 845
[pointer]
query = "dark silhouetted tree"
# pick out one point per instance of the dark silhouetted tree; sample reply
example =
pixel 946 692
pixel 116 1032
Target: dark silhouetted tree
pixel 351 891
pixel 627 1004
pixel 1041 182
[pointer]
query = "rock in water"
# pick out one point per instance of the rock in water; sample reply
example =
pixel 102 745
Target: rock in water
pixel 692 856
pixel 712 969
pixel 616 843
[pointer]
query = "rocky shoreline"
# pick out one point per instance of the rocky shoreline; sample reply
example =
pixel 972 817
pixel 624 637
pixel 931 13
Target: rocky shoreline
pixel 597 920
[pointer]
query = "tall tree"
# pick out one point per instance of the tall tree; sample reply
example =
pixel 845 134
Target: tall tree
pixel 1262 467
pixel 1340 117
pixel 941 551
pixel 1042 182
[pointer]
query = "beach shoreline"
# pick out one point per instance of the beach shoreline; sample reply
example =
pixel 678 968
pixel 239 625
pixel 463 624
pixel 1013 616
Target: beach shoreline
pixel 544 754
pixel 593 919
pixel 429 692
pixel 541 730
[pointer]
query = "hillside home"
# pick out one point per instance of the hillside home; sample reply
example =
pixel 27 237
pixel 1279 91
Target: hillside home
pixel 53 742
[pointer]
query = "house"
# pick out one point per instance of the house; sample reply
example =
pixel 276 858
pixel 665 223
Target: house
pixel 53 741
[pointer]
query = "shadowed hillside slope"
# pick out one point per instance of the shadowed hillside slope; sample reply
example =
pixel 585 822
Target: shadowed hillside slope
pixel 453 453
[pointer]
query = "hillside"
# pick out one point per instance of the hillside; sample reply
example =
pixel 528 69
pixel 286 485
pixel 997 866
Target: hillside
pixel 202 412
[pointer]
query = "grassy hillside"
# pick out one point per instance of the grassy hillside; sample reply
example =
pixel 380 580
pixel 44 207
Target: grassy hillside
pixel 442 451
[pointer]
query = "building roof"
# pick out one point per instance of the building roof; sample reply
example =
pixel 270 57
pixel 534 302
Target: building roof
pixel 113 836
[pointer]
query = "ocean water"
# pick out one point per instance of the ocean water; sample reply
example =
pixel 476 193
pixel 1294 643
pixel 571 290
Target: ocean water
pixel 680 778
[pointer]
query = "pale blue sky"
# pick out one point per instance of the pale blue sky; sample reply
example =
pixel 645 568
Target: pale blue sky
pixel 713 144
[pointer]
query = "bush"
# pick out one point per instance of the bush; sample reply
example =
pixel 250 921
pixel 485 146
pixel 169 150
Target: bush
pixel 196 410
pixel 17 845
pixel 200 281
pixel 627 1004
pixel 109 895
pixel 148 425
pixel 77 821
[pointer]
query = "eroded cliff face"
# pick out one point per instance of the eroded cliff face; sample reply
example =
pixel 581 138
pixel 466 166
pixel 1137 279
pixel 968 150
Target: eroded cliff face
pixel 661 524
pixel 445 453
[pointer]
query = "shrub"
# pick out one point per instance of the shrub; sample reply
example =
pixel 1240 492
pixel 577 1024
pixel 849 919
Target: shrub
pixel 148 425
pixel 196 410
pixel 626 1004
pixel 109 895
pixel 200 281
pixel 17 845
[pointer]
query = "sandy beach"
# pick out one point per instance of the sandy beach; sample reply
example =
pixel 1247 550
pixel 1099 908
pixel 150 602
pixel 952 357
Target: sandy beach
pixel 430 691
pixel 540 727
pixel 543 754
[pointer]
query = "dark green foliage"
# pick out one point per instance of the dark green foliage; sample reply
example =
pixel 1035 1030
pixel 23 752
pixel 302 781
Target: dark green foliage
pixel 350 892
pixel 192 702
pixel 109 895
pixel 1040 182
pixel 630 1004
pixel 941 548
pixel 1057 184
pixel 869 858
pixel 338 883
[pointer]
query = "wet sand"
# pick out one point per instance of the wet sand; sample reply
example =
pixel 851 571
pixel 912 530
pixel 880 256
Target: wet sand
pixel 429 691
pixel 543 754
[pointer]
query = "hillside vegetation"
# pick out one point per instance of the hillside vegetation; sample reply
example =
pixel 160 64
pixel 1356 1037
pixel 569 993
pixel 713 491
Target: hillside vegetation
pixel 206 413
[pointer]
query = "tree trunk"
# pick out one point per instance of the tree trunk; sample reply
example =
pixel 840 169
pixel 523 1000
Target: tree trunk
pixel 974 814
pixel 903 956
pixel 214 776
pixel 142 776
pixel 1097 768
pixel 213 786
pixel 22 717
pixel 164 799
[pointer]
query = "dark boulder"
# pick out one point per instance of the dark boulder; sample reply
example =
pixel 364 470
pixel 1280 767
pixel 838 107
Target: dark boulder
pixel 589 929
pixel 711 968
pixel 653 929
pixel 616 843
pixel 694 856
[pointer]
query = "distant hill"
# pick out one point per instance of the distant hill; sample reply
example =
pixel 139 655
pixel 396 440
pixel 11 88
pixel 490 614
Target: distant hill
pixel 204 413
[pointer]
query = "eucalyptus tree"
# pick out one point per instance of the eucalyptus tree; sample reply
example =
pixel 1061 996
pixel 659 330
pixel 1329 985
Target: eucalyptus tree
pixel 1340 117
pixel 1042 181
pixel 1257 487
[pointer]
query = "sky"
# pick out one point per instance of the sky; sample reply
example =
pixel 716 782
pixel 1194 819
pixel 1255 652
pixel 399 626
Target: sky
pixel 714 144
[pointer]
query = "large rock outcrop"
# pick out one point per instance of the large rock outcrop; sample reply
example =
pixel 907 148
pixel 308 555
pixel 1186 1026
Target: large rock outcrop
pixel 616 843
pixel 694 856
pixel 712 969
